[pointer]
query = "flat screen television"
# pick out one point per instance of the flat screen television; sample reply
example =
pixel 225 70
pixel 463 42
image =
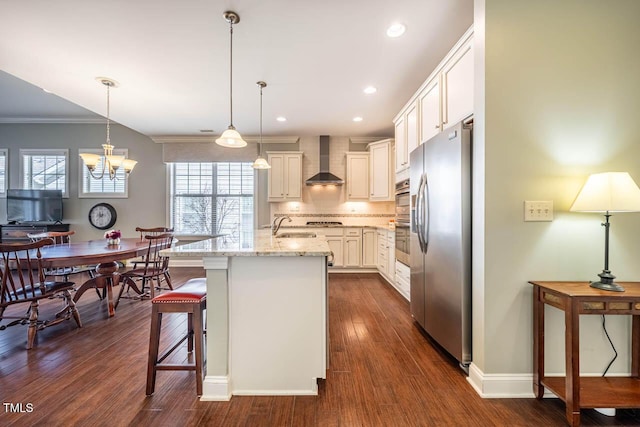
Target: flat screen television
pixel 34 206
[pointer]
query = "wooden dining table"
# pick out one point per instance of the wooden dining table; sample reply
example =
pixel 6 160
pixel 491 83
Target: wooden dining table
pixel 95 252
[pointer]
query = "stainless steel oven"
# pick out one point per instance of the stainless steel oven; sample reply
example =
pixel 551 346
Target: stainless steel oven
pixel 403 214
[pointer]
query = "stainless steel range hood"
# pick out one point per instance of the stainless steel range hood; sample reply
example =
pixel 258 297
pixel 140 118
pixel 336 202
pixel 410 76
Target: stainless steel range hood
pixel 324 177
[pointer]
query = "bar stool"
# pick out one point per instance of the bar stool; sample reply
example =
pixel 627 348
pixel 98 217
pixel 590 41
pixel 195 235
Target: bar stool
pixel 189 298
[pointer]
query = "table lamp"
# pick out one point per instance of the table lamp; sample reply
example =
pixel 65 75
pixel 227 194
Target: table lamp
pixel 608 192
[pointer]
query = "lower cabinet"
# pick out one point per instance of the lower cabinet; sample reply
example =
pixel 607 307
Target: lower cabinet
pixel 403 279
pixel 369 248
pixel 386 254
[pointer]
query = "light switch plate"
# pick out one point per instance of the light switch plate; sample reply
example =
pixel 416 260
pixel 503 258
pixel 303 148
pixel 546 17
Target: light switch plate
pixel 538 210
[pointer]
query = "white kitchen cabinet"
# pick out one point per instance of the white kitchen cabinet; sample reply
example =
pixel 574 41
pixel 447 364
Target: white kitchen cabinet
pixel 335 239
pixel 357 176
pixel 430 111
pixel 352 251
pixel 406 136
pixel 403 280
pixel 369 248
pixel 386 254
pixel 381 176
pixel 457 87
pixel 285 176
pixel 412 129
pixel 402 162
pixel 443 100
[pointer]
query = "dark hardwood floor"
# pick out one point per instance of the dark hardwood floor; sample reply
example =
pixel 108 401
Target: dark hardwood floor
pixel 383 372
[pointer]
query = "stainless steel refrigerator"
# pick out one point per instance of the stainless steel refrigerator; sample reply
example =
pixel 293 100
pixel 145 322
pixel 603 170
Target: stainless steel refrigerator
pixel 440 251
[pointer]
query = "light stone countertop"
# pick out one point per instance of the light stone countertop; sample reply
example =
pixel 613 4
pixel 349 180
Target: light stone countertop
pixel 264 244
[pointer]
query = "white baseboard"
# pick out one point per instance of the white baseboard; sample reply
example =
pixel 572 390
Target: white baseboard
pixel 216 388
pixel 501 385
pixel 351 270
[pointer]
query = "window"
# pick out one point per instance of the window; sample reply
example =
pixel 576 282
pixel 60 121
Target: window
pixel 4 154
pixel 213 198
pixel 45 170
pixel 91 187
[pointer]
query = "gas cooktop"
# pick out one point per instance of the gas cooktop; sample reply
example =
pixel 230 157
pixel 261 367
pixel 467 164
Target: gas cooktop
pixel 324 223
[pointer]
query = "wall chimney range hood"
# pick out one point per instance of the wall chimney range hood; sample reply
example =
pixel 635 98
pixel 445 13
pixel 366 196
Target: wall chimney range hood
pixel 324 177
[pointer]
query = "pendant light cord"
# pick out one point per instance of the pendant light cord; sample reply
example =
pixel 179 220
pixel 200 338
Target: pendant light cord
pixel 231 72
pixel 260 146
pixel 108 138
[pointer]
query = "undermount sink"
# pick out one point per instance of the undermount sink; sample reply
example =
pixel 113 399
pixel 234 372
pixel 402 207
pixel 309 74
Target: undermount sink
pixel 302 235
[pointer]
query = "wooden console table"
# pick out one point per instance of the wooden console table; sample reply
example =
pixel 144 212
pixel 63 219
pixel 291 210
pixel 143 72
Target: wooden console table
pixel 576 298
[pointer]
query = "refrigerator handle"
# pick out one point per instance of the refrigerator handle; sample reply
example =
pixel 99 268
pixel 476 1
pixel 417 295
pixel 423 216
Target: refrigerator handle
pixel 420 213
pixel 425 215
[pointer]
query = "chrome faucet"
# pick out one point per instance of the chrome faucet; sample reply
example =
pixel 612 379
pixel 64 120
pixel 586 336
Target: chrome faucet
pixel 277 222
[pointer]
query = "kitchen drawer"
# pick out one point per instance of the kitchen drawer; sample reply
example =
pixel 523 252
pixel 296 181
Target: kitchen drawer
pixel 353 232
pixel 403 272
pixel 327 231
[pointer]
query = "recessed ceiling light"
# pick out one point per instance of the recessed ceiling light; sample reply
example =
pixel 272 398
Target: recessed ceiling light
pixel 281 119
pixel 206 130
pixel 369 90
pixel 357 119
pixel 396 30
pixel 46 91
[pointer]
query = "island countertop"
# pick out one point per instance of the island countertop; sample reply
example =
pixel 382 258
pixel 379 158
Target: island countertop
pixel 263 244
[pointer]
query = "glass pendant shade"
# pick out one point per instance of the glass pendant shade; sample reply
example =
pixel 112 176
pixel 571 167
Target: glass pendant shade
pixel 128 165
pixel 91 160
pixel 231 138
pixel 261 163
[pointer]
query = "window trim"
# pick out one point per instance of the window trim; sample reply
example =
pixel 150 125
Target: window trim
pixel 4 153
pixel 46 152
pixel 100 194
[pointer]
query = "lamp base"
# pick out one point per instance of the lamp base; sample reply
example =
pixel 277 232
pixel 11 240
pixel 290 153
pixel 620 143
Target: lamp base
pixel 606 282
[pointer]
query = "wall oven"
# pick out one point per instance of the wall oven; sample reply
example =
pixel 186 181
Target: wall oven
pixel 403 213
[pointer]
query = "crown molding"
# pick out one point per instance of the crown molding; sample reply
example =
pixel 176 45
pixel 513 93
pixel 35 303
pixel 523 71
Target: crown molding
pixel 170 139
pixel 366 139
pixel 49 120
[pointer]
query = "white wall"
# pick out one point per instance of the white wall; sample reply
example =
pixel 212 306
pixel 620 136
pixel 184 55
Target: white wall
pixel 562 95
pixel 145 205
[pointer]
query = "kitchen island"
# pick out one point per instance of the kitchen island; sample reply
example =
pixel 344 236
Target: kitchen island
pixel 266 314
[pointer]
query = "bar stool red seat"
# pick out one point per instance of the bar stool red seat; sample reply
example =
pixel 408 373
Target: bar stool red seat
pixel 190 298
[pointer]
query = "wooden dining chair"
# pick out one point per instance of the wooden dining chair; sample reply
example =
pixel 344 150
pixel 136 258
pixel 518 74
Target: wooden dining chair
pixel 23 281
pixel 62 238
pixel 155 267
pixel 154 231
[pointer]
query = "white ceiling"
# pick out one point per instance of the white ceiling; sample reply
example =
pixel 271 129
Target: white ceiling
pixel 171 59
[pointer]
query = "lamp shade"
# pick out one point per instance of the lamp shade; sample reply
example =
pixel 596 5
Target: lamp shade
pixel 261 163
pixel 608 192
pixel 231 138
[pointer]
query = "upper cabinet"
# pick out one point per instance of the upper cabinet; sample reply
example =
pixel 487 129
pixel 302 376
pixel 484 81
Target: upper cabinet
pixel 381 177
pixel 285 176
pixel 357 176
pixel 457 86
pixel 401 144
pixel 444 99
pixel 430 113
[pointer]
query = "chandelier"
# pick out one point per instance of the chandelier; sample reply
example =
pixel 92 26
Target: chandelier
pixel 231 138
pixel 110 163
pixel 260 162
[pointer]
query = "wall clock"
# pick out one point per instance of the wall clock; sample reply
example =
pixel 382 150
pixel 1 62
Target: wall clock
pixel 102 216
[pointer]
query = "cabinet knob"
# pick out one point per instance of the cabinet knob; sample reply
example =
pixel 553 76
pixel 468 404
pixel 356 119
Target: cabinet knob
pixel 282 194
pixel 437 126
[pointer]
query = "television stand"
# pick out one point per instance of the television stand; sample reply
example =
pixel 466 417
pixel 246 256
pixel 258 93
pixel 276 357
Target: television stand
pixel 15 233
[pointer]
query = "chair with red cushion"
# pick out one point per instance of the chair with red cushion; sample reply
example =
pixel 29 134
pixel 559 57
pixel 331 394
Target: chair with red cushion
pixel 190 298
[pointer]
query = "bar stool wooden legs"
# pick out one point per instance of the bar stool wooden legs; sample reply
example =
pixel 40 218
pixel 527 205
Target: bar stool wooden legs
pixel 190 298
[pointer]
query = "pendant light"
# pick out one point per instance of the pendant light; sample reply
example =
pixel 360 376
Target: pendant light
pixel 110 163
pixel 260 162
pixel 231 137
